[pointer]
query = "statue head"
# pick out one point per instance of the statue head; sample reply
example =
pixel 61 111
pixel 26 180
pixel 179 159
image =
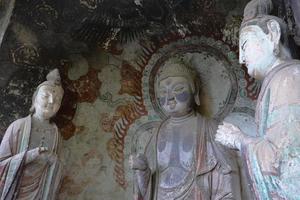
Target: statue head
pixel 177 88
pixel 47 97
pixel 263 40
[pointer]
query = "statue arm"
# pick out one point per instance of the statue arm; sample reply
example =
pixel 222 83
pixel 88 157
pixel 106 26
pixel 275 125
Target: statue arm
pixel 8 145
pixel 282 130
pixel 232 137
pixel 284 116
pixel 282 123
pixel 143 172
pixel 142 184
pixel 141 177
pixel 10 162
pixel 11 142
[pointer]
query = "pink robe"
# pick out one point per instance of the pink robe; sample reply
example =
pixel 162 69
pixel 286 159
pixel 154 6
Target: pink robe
pixel 32 181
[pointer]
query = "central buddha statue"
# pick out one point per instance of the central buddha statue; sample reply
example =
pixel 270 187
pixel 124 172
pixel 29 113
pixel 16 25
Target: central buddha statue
pixel 182 161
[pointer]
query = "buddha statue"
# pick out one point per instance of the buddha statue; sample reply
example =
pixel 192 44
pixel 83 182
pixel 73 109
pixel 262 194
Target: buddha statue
pixel 181 160
pixel 29 152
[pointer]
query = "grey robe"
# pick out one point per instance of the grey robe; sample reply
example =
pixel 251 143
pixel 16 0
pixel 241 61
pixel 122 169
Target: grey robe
pixel 216 172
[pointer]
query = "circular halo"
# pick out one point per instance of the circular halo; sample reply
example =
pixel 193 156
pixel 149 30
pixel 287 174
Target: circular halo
pixel 219 83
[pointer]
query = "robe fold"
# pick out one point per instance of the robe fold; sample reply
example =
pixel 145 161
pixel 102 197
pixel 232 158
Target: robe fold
pixel 32 181
pixel 215 175
pixel 273 159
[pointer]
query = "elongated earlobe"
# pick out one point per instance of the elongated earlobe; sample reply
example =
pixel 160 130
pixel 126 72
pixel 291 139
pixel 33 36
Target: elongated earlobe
pixel 275 34
pixel 197 93
pixel 197 99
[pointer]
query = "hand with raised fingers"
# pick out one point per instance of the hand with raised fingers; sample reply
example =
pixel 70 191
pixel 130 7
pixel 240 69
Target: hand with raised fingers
pixel 229 135
pixel 138 162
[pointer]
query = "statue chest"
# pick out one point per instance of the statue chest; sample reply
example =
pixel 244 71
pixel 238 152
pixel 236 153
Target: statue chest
pixel 176 154
pixel 42 137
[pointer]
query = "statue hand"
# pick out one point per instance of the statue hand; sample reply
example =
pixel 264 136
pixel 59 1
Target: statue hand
pixel 33 154
pixel 47 157
pixel 229 135
pixel 51 158
pixel 138 162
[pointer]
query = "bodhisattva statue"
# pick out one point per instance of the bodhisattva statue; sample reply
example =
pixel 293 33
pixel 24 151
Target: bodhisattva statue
pixel 30 167
pixel 272 158
pixel 182 161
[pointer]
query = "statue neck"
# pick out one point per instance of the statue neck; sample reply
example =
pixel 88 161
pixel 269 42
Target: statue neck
pixel 284 55
pixel 39 120
pixel 181 119
pixel 277 62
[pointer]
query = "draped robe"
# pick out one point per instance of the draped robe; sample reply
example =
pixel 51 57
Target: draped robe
pixel 273 158
pixel 32 181
pixel 214 176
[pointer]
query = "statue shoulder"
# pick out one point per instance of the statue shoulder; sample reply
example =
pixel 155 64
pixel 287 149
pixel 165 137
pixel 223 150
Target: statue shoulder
pixel 211 124
pixel 144 136
pixel 287 79
pixel 287 69
pixel 285 86
pixel 19 123
pixel 293 70
pixel 15 129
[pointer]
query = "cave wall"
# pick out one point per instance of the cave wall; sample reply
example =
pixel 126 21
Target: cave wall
pixel 108 56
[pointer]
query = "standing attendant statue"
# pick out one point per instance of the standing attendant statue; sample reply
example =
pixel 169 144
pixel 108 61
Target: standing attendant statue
pixel 30 167
pixel 273 157
pixel 182 161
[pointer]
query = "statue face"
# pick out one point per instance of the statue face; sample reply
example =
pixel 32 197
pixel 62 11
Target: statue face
pixel 47 101
pixel 256 51
pixel 175 96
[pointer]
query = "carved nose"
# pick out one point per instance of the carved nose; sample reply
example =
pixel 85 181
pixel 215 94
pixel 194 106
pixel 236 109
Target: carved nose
pixel 169 99
pixel 50 100
pixel 242 58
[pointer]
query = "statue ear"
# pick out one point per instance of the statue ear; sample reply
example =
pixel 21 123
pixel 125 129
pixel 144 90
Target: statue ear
pixel 32 108
pixel 274 31
pixel 197 93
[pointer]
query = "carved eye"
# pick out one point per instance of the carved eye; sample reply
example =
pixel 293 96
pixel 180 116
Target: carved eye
pixel 44 95
pixel 244 45
pixel 162 92
pixel 179 89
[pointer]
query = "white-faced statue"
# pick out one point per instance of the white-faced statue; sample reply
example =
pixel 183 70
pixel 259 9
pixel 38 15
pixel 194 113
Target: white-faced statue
pixel 263 41
pixel 272 171
pixel 47 98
